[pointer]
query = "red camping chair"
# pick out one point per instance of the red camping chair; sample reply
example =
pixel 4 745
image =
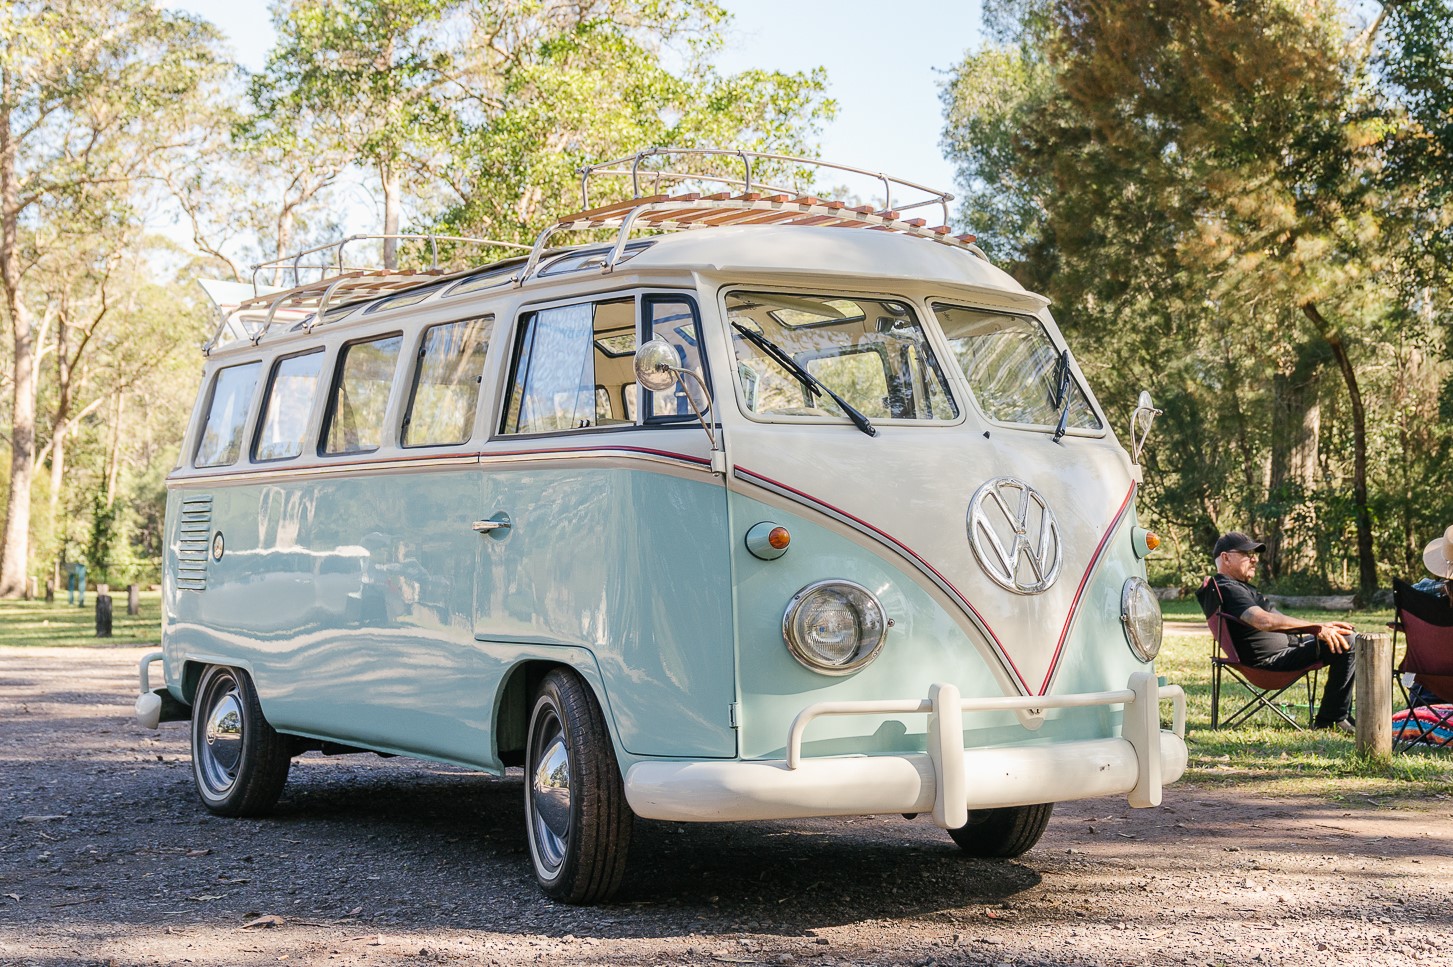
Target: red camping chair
pixel 1426 622
pixel 1264 685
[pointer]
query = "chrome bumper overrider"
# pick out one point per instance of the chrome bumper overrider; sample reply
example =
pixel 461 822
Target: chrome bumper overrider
pixel 947 781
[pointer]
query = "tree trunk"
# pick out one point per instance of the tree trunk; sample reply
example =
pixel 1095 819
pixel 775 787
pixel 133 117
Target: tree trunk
pixel 16 553
pixel 1296 419
pixel 392 197
pixel 1366 562
pixel 113 456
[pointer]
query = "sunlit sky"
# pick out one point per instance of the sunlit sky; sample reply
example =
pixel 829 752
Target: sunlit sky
pixel 885 65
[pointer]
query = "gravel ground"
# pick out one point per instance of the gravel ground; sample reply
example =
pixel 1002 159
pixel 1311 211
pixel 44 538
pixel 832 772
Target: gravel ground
pixel 106 857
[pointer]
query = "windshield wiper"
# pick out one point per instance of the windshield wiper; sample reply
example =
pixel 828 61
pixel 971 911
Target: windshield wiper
pixel 1062 394
pixel 813 384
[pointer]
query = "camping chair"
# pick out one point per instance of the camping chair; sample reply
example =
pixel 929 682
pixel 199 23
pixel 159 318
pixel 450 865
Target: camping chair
pixel 1264 685
pixel 1426 623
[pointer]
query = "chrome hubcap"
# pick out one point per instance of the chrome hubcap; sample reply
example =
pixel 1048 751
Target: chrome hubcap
pixel 220 751
pixel 549 794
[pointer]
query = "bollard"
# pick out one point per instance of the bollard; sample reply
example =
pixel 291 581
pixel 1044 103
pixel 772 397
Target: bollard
pixel 32 588
pixel 133 600
pixel 103 617
pixel 1373 695
pixel 50 590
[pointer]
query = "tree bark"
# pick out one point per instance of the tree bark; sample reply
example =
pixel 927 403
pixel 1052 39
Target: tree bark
pixel 1295 437
pixel 1366 561
pixel 392 195
pixel 16 552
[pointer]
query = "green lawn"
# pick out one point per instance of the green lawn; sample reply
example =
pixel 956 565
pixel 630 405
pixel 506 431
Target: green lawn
pixel 1268 756
pixel 37 624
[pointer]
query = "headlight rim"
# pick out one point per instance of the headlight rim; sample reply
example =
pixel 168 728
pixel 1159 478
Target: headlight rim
pixel 805 656
pixel 1144 651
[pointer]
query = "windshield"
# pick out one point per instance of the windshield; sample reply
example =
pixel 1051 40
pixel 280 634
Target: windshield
pixel 871 352
pixel 1014 369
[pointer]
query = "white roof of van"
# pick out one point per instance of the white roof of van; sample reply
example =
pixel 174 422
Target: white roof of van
pixel 794 249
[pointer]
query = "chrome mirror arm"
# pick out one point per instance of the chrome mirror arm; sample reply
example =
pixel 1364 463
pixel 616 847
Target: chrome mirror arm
pixel 1140 422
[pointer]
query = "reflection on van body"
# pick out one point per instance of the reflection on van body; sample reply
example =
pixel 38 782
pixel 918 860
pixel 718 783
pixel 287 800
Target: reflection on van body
pixel 765 520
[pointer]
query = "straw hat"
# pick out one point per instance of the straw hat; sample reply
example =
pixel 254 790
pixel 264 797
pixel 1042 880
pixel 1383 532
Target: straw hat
pixel 1438 556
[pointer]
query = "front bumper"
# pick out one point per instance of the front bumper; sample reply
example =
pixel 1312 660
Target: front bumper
pixel 947 781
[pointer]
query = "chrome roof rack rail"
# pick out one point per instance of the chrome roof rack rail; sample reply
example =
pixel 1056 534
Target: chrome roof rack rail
pixel 756 203
pixel 747 184
pixel 692 211
pixel 337 283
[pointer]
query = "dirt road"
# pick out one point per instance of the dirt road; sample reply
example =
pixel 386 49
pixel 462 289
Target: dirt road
pixel 106 857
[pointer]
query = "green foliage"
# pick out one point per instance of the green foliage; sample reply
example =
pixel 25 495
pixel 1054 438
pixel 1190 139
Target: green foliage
pixel 1232 205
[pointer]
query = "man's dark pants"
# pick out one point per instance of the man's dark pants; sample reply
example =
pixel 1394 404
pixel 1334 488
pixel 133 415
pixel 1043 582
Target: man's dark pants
pixel 1337 693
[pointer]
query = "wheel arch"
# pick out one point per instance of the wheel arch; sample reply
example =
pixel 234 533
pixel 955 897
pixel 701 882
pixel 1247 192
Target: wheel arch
pixel 514 701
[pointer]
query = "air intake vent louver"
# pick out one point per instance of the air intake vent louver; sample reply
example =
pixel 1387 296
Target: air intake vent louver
pixel 194 534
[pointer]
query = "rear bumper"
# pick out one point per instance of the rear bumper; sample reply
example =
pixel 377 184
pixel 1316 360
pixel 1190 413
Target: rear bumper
pixel 947 781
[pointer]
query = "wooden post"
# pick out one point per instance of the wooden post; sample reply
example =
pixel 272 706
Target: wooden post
pixel 50 590
pixel 133 600
pixel 1374 695
pixel 103 615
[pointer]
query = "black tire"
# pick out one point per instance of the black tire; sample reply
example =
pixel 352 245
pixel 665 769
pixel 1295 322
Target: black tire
pixel 239 764
pixel 576 817
pixel 1003 833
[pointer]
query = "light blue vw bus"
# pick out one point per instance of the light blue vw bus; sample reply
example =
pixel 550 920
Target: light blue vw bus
pixel 765 507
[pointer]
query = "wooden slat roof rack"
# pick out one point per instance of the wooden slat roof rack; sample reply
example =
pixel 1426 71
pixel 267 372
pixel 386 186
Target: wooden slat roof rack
pixel 337 284
pixel 755 204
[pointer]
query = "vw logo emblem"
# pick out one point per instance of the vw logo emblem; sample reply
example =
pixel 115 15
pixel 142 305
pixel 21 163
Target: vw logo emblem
pixel 1015 536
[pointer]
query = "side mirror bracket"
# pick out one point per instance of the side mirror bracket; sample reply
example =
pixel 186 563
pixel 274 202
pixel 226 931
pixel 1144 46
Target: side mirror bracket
pixel 1140 423
pixel 656 370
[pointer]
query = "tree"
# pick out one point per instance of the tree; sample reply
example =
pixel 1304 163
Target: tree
pixel 477 115
pixel 1202 189
pixel 90 94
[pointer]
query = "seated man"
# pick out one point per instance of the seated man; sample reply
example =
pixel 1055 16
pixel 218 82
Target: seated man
pixel 1262 635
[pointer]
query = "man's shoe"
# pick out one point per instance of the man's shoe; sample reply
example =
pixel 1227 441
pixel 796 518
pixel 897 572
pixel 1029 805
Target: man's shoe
pixel 1341 725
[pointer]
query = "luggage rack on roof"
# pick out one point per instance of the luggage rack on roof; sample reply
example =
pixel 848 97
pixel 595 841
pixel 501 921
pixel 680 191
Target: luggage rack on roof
pixel 338 284
pixel 756 204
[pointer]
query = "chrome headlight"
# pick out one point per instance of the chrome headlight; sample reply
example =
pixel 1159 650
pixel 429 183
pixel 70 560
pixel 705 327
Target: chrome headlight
pixel 1140 613
pixel 834 627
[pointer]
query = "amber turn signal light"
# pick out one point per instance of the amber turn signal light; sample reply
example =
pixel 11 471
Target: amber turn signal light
pixel 1152 540
pixel 779 538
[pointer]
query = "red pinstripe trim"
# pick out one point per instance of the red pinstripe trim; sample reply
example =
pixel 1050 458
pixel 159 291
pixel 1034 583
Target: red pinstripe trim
pixel 998 645
pixel 1079 592
pixel 700 461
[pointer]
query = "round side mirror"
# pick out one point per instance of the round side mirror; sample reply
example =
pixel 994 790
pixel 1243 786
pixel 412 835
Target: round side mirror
pixel 656 366
pixel 1145 413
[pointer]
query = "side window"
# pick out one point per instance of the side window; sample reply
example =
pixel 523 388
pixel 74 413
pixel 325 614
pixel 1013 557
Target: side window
pixel 445 394
pixel 673 320
pixel 561 356
pixel 1014 369
pixel 232 390
pixel 290 395
pixel 365 377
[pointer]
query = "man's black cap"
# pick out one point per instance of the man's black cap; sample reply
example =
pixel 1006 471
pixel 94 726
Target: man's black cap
pixel 1236 541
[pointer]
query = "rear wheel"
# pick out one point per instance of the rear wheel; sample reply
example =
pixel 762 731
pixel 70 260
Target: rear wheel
pixel 239 763
pixel 1003 833
pixel 576 817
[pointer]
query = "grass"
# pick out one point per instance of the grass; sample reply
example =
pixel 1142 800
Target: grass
pixel 35 624
pixel 1268 757
pixel 1264 757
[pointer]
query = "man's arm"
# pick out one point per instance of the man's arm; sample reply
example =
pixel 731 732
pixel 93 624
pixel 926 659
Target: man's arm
pixel 1330 632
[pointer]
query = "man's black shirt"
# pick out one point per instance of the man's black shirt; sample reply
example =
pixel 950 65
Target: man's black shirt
pixel 1252 644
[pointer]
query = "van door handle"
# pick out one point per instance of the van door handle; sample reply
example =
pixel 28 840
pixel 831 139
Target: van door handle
pixel 498 522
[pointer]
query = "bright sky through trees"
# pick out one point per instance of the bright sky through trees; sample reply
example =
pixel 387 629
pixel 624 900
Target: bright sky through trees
pixel 884 68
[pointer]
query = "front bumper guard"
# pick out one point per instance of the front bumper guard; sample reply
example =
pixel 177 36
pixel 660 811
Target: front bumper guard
pixel 947 780
pixel 157 705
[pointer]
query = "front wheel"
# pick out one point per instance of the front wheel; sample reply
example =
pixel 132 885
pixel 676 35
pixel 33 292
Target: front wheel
pixel 1003 833
pixel 576 817
pixel 239 763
